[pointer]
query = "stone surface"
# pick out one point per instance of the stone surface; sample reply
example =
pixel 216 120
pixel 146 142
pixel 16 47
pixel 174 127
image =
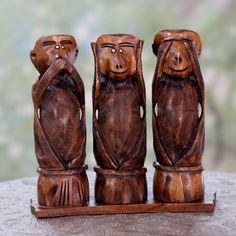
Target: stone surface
pixel 16 217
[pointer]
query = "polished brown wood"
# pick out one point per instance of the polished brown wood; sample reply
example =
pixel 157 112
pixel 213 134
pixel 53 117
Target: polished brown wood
pixel 178 117
pixel 119 120
pixel 150 206
pixel 59 123
pixel 206 206
pixel 16 218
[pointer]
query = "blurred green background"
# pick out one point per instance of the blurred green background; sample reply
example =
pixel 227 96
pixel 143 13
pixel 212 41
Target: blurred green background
pixel 24 21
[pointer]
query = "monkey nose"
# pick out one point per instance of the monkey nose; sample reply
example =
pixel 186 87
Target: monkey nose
pixel 118 66
pixel 58 56
pixel 177 60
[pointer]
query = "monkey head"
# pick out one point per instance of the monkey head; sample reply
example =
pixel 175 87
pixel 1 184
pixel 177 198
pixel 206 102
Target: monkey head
pixel 117 56
pixel 177 61
pixel 50 48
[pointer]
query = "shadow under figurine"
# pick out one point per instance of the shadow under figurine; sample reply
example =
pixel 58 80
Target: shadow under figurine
pixel 178 117
pixel 119 120
pixel 59 123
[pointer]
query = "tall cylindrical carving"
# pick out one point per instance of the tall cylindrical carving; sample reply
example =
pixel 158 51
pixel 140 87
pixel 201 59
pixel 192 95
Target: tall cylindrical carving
pixel 59 123
pixel 178 117
pixel 119 120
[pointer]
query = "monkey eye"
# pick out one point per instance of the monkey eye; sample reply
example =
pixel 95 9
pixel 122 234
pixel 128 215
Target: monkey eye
pixel 113 50
pixel 62 46
pixel 57 46
pixel 48 43
pixel 168 40
pixel 121 50
pixel 187 40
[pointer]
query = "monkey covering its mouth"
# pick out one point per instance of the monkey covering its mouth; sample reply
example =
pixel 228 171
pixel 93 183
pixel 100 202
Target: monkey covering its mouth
pixel 59 123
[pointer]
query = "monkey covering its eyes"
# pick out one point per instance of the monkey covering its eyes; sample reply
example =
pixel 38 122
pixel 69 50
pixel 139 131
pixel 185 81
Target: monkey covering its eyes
pixel 178 116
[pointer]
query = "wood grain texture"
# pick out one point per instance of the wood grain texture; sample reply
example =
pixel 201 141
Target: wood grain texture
pixel 16 217
pixel 59 123
pixel 178 184
pixel 119 127
pixel 120 186
pixel 206 206
pixel 178 116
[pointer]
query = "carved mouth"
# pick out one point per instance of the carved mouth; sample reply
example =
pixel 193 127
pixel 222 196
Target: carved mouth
pixel 179 70
pixel 119 72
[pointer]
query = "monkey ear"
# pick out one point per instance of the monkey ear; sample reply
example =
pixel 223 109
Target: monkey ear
pixel 76 52
pixel 154 49
pixel 140 43
pixel 33 56
pixel 93 46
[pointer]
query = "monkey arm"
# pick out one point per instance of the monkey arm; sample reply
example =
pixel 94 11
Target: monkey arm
pixel 78 161
pixel 161 154
pixel 137 152
pixel 193 155
pixel 196 144
pixel 40 87
pixel 104 155
pixel 141 84
pixel 74 75
pixel 46 155
pixel 96 84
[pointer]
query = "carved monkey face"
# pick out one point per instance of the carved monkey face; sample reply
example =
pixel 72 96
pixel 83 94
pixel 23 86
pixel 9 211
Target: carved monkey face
pixel 50 48
pixel 117 56
pixel 177 62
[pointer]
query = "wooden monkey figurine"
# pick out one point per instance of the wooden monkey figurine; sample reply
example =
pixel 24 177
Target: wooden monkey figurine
pixel 178 117
pixel 119 120
pixel 59 123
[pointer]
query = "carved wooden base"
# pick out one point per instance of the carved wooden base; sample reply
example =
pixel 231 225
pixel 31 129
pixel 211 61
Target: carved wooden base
pixel 178 184
pixel 120 186
pixel 63 188
pixel 206 206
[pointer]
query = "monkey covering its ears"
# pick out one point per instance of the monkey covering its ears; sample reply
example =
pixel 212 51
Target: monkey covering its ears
pixel 119 120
